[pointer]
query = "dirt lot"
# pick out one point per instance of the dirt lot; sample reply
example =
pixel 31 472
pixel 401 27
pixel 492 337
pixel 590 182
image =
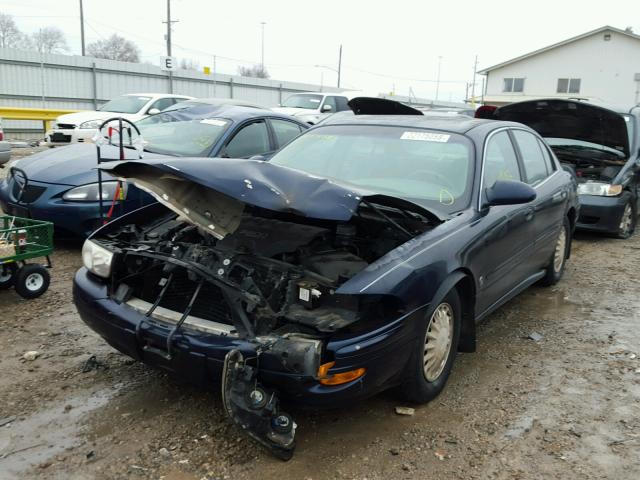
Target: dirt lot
pixel 565 406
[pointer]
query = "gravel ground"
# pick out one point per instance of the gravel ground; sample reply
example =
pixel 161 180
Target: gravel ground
pixel 564 406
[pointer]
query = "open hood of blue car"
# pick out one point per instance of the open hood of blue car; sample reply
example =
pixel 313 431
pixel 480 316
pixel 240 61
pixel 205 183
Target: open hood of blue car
pixel 212 192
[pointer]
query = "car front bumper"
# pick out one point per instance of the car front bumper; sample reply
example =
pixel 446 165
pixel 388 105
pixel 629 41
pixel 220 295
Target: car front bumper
pixel 600 214
pixel 199 357
pixel 66 136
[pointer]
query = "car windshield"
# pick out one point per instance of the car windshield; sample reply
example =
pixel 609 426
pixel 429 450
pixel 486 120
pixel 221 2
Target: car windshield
pixel 433 169
pixel 311 102
pixel 125 104
pixel 165 134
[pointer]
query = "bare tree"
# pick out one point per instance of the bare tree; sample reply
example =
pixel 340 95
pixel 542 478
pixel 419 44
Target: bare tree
pixel 10 34
pixel 49 40
pixel 257 71
pixel 115 48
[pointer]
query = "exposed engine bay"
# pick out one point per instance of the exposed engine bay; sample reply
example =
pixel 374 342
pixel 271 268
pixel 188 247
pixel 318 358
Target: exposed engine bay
pixel 272 281
pixel 271 275
pixel 590 164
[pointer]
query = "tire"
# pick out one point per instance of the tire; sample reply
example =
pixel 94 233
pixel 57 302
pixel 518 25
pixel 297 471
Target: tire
pixel 32 281
pixel 555 268
pixel 425 381
pixel 7 275
pixel 628 220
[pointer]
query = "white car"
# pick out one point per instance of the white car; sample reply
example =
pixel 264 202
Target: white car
pixel 311 107
pixel 5 148
pixel 82 126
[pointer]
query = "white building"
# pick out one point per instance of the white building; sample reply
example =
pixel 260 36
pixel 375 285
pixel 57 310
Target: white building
pixel 601 65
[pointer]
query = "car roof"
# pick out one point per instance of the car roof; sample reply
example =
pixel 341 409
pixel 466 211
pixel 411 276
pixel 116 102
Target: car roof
pixel 156 95
pixel 450 123
pixel 201 110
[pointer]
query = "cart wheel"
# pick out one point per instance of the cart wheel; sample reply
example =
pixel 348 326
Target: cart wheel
pixel 32 281
pixel 7 275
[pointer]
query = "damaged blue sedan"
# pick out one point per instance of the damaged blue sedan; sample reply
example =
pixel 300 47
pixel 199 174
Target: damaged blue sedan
pixel 359 258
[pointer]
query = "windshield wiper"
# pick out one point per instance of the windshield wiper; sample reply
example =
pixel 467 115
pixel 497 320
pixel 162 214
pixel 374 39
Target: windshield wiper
pixel 388 219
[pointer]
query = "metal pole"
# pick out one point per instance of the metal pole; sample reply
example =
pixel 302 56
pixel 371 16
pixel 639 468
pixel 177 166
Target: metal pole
pixel 473 85
pixel 95 85
pixel 214 75
pixel 168 28
pixel 339 64
pixel 82 27
pixel 438 78
pixel 262 58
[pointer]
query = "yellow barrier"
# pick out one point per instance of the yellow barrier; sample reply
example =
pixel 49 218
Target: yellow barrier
pixel 47 115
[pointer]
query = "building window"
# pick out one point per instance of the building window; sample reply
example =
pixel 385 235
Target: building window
pixel 513 85
pixel 568 85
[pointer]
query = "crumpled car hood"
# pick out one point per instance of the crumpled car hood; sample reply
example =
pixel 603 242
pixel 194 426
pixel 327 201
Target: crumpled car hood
pixel 212 192
pixel 570 119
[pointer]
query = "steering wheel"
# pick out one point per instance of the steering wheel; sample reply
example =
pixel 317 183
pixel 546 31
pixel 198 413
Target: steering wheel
pixel 444 182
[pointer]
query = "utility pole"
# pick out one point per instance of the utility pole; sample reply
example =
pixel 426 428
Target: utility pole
pixel 438 77
pixel 339 65
pixel 473 85
pixel 82 27
pixel 168 36
pixel 262 58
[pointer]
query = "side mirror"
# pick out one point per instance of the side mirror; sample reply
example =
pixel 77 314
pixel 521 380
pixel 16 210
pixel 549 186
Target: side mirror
pixel 153 111
pixel 508 192
pixel 258 157
pixel 327 108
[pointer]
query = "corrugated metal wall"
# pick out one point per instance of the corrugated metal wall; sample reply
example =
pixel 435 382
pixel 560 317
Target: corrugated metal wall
pixel 28 79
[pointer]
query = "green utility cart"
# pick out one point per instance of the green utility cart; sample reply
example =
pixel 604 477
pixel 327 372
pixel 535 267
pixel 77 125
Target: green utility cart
pixel 22 239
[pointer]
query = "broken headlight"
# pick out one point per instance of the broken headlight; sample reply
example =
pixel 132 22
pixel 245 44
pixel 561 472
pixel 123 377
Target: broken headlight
pixel 97 259
pixel 600 189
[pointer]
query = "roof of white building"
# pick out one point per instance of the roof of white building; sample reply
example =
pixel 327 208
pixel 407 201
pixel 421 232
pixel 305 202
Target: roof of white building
pixel 560 44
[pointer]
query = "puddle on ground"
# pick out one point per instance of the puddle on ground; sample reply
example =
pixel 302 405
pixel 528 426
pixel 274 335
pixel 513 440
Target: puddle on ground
pixel 32 440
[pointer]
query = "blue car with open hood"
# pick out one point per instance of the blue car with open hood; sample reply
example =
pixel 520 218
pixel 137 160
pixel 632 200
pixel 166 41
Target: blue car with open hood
pixel 359 258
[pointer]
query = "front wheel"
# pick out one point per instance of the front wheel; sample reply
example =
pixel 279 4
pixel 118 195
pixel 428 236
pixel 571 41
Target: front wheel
pixel 32 281
pixel 433 356
pixel 628 220
pixel 555 268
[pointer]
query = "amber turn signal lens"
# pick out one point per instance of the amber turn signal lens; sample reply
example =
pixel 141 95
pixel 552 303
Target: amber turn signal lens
pixel 338 378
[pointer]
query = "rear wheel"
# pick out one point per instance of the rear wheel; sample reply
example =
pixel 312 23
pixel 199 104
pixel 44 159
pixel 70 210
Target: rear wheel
pixel 433 356
pixel 32 281
pixel 555 269
pixel 7 275
pixel 628 220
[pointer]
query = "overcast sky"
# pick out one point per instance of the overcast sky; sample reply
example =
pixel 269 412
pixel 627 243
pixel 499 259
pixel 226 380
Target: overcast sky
pixel 386 45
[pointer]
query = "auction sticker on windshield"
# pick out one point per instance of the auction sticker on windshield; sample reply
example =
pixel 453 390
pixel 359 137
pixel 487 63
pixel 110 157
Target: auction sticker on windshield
pixel 426 136
pixel 214 121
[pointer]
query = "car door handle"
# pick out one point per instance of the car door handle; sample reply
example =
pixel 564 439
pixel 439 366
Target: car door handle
pixel 528 216
pixel 559 196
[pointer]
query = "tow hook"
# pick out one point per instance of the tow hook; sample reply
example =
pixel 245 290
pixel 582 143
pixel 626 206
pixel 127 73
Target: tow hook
pixel 254 408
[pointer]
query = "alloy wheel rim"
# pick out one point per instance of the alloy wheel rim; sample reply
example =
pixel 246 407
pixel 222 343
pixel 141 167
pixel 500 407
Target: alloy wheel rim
pixel 627 220
pixel 561 245
pixel 437 342
pixel 34 281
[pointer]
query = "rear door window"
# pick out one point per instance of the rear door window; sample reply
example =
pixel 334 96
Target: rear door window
pixel 535 166
pixel 252 139
pixel 501 162
pixel 551 166
pixel 284 131
pixel 341 103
